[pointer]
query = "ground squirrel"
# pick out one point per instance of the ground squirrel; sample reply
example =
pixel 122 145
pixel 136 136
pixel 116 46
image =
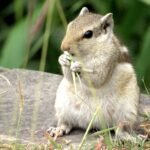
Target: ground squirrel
pixel 107 78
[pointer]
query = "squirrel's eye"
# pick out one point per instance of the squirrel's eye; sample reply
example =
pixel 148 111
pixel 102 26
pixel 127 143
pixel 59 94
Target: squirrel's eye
pixel 88 34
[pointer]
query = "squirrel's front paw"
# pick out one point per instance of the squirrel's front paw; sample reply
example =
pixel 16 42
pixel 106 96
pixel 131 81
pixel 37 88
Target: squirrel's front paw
pixel 55 131
pixel 76 66
pixel 64 60
pixel 58 131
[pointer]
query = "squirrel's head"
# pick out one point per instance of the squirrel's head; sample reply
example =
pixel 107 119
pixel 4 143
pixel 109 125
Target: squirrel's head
pixel 87 32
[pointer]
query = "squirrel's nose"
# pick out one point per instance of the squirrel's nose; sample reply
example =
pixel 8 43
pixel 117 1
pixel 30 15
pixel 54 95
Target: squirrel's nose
pixel 65 46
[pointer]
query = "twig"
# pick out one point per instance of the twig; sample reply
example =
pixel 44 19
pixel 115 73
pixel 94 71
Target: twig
pixel 8 82
pixel 79 79
pixel 74 81
pixel 87 70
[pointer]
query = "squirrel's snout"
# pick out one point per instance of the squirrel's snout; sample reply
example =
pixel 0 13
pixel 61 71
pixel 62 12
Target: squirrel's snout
pixel 65 46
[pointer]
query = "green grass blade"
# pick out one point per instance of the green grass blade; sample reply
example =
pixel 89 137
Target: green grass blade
pixel 47 35
pixel 61 13
pixel 88 128
pixel 102 131
pixel 18 8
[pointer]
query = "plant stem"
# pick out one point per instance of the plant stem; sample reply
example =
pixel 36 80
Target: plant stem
pixel 102 131
pixel 61 13
pixel 147 91
pixel 46 36
pixel 88 128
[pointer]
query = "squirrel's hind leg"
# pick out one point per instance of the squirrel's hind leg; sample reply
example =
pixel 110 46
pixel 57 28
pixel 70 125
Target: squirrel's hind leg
pixel 127 134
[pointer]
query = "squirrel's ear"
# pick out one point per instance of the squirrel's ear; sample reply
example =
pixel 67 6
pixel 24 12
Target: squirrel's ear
pixel 107 22
pixel 83 11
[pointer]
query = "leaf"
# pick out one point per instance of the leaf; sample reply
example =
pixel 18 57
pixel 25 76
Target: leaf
pixel 14 48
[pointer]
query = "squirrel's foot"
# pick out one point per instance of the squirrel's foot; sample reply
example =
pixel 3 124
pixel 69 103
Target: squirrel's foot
pixel 124 132
pixel 64 60
pixel 58 131
pixel 76 66
pixel 125 136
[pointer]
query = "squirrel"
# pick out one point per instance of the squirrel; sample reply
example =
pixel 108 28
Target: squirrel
pixel 107 78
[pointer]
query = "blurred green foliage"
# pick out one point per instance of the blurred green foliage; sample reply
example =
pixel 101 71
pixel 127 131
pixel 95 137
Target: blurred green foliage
pixel 31 31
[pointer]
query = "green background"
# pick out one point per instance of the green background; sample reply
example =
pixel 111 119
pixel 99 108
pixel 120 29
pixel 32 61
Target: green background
pixel 31 31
